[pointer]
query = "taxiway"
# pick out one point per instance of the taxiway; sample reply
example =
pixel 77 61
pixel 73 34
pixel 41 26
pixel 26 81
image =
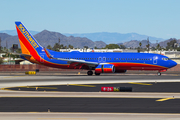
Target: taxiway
pixel 72 93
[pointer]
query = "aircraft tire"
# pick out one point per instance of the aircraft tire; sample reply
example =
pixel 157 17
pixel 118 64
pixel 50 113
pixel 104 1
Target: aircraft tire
pixel 159 74
pixel 89 72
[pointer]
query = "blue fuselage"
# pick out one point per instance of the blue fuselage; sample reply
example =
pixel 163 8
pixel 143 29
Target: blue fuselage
pixel 121 61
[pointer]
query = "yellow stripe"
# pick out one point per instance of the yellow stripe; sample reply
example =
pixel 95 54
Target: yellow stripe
pixel 164 99
pixel 9 88
pixel 83 85
pixel 140 83
pixel 23 46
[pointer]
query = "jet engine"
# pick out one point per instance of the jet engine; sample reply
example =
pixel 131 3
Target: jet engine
pixel 106 68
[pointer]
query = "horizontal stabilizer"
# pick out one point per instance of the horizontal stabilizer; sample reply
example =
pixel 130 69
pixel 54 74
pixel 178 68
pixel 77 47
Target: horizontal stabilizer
pixel 25 55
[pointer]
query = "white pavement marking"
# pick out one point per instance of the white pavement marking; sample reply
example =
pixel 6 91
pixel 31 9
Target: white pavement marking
pixel 85 116
pixel 4 93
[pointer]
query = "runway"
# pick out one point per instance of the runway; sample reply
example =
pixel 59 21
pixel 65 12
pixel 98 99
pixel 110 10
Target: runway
pixel 80 93
pixel 164 87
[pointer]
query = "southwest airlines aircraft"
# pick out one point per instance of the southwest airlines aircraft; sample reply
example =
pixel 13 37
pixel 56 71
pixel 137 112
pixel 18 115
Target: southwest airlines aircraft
pixel 97 61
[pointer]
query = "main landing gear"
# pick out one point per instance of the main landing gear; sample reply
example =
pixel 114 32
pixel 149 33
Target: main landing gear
pixel 90 72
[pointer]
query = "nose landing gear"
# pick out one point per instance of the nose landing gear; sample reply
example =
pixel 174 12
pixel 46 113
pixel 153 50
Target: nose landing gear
pixel 159 74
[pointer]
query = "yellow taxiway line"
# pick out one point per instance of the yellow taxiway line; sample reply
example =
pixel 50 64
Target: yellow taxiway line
pixel 164 99
pixel 83 85
pixel 139 83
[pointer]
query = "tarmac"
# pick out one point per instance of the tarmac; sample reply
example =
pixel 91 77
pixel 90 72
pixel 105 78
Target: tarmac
pixel 78 96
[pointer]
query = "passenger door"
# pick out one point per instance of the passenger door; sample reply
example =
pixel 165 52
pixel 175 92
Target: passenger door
pixel 100 59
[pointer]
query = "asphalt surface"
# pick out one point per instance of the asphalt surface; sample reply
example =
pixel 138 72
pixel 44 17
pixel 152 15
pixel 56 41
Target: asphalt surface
pixel 136 87
pixel 123 105
pixel 78 85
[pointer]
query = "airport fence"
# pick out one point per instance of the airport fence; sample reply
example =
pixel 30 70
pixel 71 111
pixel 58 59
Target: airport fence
pixel 32 67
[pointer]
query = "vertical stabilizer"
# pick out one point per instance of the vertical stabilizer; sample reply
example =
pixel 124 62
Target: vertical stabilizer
pixel 27 41
pixel 29 45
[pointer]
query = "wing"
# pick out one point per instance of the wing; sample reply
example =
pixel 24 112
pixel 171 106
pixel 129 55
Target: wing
pixel 71 60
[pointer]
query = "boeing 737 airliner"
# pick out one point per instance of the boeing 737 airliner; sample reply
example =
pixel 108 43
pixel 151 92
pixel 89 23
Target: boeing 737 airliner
pixel 99 62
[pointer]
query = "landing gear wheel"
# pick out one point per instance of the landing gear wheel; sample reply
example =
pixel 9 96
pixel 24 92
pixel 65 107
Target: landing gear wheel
pixel 159 74
pixel 97 73
pixel 89 72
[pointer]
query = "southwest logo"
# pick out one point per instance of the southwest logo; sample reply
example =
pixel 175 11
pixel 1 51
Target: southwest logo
pixel 26 34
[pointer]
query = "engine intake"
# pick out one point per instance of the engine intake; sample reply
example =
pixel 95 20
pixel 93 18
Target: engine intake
pixel 106 68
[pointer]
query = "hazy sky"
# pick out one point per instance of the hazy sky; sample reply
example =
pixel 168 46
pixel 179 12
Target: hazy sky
pixel 158 18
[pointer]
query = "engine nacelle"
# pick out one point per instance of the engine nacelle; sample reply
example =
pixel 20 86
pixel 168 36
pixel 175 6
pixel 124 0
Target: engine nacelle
pixel 106 68
pixel 120 71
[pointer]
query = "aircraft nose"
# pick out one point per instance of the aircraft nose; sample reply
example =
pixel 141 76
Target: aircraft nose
pixel 173 63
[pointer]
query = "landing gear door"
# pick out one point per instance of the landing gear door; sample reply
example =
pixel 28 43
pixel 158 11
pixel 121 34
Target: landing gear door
pixel 155 58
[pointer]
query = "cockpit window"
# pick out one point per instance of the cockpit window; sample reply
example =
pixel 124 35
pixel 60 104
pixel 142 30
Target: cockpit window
pixel 165 59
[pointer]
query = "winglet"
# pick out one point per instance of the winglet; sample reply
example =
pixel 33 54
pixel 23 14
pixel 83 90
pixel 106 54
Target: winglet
pixel 47 53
